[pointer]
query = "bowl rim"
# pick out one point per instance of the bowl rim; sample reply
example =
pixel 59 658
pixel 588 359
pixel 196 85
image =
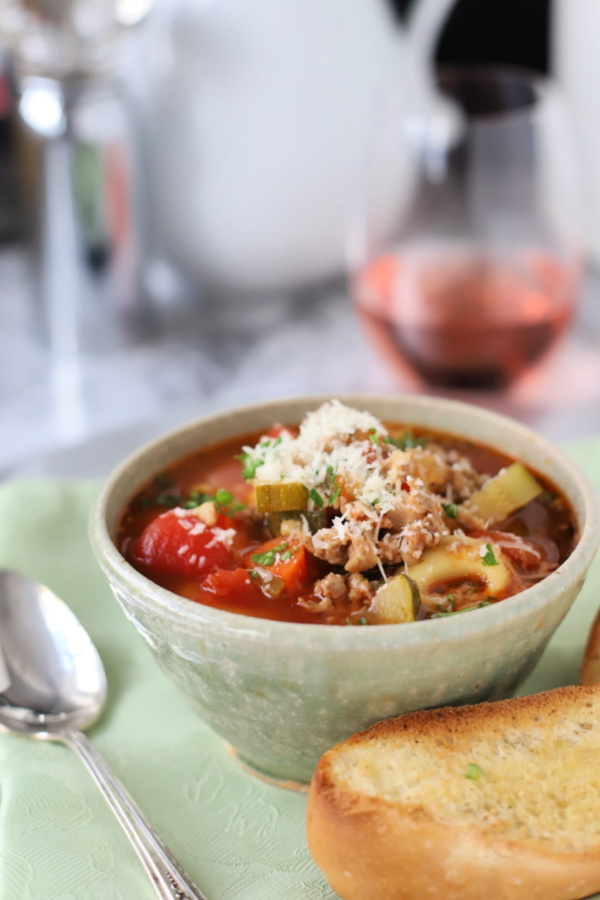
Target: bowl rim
pixel 521 605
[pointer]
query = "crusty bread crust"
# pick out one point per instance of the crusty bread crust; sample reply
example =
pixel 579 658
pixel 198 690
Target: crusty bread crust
pixel 371 848
pixel 590 670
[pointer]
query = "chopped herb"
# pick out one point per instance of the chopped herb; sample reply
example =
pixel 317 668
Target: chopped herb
pixel 362 621
pixel 268 557
pixel 287 554
pixel 253 575
pixel 395 442
pixel 226 503
pixel 276 442
pixel 200 496
pixel 451 510
pixel 457 612
pixel 488 558
pixel 236 506
pixel 411 442
pixel 316 498
pixel 249 464
pixel 264 559
pixel 375 501
pixel 374 437
pixel 337 490
pixel 474 772
pixel 450 601
pixel 407 442
pixel 163 481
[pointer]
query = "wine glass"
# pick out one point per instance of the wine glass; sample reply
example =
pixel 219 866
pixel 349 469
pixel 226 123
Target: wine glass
pixel 474 279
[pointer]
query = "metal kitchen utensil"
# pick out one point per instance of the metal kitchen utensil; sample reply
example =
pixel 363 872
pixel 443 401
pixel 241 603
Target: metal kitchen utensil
pixel 52 684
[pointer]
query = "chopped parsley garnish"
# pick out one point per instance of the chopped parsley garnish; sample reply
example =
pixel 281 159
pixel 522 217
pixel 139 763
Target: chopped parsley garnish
pixel 410 441
pixel 316 497
pixel 249 465
pixel 197 498
pixel 268 558
pixel 224 501
pixel 361 621
pixel 253 575
pixel 337 490
pixel 488 558
pixel 406 442
pixel 287 554
pixel 374 437
pixel 474 772
pixel 451 510
pixel 450 601
pixel 227 504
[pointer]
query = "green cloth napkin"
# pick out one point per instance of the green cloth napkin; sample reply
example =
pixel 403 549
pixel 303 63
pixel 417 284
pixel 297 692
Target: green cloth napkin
pixel 239 838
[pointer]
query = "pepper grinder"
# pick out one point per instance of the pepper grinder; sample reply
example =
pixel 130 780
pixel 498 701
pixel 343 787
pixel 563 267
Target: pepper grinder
pixel 77 159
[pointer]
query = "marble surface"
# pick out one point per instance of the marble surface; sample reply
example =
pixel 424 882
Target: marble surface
pixel 79 416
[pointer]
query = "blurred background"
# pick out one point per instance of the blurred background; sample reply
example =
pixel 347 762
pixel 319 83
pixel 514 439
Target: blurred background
pixel 205 203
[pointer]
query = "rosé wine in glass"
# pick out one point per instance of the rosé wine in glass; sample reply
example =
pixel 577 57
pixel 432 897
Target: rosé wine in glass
pixel 464 319
pixel 475 280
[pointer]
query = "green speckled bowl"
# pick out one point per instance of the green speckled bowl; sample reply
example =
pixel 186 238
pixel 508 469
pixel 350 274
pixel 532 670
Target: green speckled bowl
pixel 283 693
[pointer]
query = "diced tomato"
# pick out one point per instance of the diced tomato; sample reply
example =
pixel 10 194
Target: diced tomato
pixel 276 430
pixel 230 584
pixel 232 521
pixel 180 545
pixel 293 569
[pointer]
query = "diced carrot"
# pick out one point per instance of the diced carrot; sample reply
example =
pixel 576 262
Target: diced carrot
pixel 292 568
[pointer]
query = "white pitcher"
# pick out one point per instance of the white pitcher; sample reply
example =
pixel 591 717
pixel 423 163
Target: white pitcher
pixel 256 114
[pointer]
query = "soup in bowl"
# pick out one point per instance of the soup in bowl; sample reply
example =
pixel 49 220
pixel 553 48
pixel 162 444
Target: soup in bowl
pixel 302 569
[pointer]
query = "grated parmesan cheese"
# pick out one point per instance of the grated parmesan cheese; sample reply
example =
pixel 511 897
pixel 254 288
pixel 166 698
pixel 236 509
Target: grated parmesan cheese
pixel 324 447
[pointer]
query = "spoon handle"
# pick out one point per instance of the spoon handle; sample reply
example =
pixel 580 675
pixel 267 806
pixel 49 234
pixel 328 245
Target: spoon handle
pixel 167 876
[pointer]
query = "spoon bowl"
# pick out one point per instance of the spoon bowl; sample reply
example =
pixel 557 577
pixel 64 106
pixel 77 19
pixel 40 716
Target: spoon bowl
pixel 66 688
pixel 52 684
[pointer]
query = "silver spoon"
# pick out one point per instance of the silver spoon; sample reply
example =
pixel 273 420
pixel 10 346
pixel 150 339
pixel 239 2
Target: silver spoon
pixel 52 684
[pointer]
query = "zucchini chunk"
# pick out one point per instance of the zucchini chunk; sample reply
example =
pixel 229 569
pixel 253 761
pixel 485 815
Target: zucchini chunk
pixel 396 601
pixel 281 496
pixel 503 494
pixel 460 558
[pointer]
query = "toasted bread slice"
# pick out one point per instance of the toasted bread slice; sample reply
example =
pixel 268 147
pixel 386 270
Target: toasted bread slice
pixel 590 670
pixel 499 801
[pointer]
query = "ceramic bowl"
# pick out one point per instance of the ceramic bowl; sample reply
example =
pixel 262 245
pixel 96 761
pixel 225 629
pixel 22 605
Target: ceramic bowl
pixel 283 693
